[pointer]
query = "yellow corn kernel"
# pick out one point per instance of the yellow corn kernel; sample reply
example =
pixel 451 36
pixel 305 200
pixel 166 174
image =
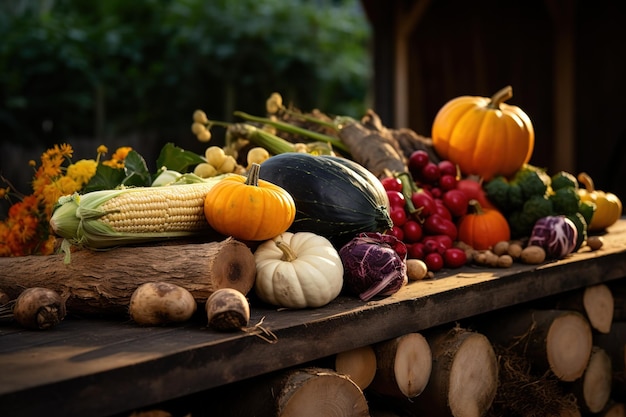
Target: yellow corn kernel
pixel 157 209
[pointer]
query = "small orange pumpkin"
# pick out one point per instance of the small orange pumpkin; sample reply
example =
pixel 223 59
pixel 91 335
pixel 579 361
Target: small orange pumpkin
pixel 481 227
pixel 484 136
pixel 248 208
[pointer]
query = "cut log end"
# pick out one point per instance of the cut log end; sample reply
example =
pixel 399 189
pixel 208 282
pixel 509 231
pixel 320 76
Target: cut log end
pixel 473 377
pixel 357 364
pixel 599 306
pixel 317 392
pixel 568 346
pixel 597 381
pixel 404 366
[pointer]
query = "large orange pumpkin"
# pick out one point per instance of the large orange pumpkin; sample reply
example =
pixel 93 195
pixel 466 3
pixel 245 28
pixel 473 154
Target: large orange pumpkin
pixel 484 136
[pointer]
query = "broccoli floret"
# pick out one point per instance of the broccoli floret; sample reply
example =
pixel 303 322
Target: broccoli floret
pixel 515 196
pixel 565 201
pixel 563 180
pixel 537 207
pixel 532 180
pixel 497 192
pixel 522 221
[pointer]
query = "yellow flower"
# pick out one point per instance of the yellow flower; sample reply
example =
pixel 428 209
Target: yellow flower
pixel 102 149
pixel 117 159
pixel 82 171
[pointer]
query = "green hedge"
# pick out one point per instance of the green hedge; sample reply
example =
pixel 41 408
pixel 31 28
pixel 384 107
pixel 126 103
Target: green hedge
pixel 82 68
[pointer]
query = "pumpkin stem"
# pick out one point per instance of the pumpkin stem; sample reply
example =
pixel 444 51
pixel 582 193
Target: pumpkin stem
pixel 500 97
pixel 475 206
pixel 253 175
pixel 586 180
pixel 288 254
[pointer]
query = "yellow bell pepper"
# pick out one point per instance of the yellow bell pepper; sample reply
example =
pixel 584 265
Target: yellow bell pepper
pixel 608 205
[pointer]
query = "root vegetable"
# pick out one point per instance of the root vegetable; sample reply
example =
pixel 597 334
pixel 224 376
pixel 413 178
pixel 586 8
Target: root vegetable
pixel 515 250
pixel 501 248
pixel 159 303
pixel 505 261
pixel 416 269
pixel 39 308
pixel 227 309
pixel 533 255
pixel 595 242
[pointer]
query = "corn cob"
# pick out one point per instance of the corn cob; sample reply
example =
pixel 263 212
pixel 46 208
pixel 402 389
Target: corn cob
pixel 107 218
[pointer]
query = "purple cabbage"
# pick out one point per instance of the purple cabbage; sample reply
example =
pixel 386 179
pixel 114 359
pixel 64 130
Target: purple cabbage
pixel 557 235
pixel 374 264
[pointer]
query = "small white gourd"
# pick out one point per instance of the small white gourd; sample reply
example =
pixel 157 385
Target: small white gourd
pixel 298 270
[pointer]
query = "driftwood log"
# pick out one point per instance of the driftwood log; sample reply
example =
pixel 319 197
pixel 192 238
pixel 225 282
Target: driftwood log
pixel 102 282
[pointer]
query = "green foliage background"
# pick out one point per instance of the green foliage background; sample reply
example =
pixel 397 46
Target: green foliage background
pixel 101 69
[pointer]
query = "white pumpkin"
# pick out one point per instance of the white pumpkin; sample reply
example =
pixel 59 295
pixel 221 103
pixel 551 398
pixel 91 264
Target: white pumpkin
pixel 298 270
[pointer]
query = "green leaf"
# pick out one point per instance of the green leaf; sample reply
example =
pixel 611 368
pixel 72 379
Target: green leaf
pixel 177 159
pixel 106 178
pixel 136 170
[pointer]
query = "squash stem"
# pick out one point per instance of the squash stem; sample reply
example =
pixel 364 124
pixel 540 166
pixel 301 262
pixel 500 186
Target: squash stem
pixel 500 97
pixel 253 175
pixel 288 254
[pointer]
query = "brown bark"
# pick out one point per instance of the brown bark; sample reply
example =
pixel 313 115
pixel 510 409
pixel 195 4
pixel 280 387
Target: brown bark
pixel 593 389
pixel 102 282
pixel 555 340
pixel 464 377
pixel 404 365
pixel 305 392
pixel 358 364
pixel 375 149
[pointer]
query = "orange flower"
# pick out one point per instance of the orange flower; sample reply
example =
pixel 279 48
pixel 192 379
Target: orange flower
pixel 117 159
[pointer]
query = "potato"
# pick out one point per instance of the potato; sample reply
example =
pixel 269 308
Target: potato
pixel 595 242
pixel 533 255
pixel 500 248
pixel 158 303
pixel 416 269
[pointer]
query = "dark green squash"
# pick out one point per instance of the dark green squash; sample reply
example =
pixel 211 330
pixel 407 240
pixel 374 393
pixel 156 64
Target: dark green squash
pixel 332 199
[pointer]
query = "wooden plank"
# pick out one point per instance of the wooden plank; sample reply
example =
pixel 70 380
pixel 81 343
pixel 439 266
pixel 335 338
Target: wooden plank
pixel 102 367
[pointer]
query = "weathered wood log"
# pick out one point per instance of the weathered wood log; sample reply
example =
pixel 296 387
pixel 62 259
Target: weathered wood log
pixel 404 365
pixel 102 282
pixel 555 340
pixel 613 409
pixel 595 302
pixel 618 288
pixel 304 392
pixel 614 344
pixel 358 364
pixel 464 376
pixel 593 389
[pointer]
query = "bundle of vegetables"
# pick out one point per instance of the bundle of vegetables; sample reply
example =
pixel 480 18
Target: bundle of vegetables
pixel 531 194
pixel 374 264
pixel 286 129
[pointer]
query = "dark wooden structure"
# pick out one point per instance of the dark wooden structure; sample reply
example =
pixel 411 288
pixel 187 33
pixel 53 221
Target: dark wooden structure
pixel 98 367
pixel 564 59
